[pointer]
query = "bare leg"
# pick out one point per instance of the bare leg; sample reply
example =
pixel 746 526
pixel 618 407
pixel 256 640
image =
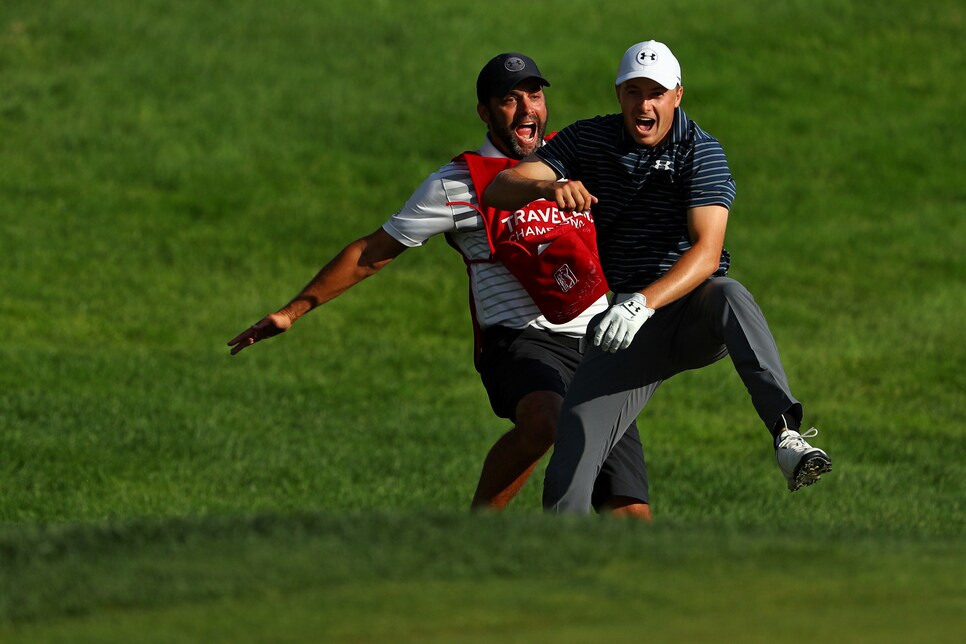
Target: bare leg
pixel 625 506
pixel 513 457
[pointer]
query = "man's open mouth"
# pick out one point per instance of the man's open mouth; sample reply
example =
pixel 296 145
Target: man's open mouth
pixel 645 124
pixel 526 132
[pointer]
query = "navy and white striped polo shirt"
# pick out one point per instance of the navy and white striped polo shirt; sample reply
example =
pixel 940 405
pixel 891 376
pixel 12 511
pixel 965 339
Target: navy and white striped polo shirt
pixel 644 193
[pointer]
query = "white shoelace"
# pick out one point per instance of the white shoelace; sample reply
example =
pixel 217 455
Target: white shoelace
pixel 796 440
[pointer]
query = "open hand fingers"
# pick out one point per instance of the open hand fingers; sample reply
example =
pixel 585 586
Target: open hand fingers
pixel 605 335
pixel 241 336
pixel 614 337
pixel 261 330
pixel 244 339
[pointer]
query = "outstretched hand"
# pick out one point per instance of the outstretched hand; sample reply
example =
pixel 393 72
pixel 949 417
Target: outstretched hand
pixel 268 326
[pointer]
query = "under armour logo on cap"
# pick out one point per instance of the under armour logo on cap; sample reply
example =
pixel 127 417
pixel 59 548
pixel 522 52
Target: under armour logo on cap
pixel 504 72
pixel 514 64
pixel 647 56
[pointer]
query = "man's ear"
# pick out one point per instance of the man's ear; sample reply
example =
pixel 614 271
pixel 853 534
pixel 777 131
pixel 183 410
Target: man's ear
pixel 679 91
pixel 483 112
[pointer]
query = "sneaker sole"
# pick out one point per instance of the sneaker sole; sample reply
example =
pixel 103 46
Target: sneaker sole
pixel 810 471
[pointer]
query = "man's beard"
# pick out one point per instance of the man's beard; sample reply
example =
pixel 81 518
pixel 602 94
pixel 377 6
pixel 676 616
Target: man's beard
pixel 512 143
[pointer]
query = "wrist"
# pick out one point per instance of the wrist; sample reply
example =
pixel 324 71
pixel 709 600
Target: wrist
pixel 636 304
pixel 640 298
pixel 294 310
pixel 547 189
pixel 620 298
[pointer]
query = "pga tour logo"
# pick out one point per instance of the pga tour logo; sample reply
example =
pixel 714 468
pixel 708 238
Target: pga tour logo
pixel 565 277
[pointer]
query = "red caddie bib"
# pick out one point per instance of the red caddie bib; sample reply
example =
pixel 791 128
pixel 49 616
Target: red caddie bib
pixel 553 254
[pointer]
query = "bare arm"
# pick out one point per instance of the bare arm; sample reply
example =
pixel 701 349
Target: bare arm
pixel 532 179
pixel 357 261
pixel 706 226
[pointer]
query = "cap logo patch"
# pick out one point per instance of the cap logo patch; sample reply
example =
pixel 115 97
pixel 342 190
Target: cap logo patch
pixel 514 64
pixel 647 56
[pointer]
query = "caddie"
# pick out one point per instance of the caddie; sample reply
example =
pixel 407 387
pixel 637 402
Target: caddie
pixel 525 361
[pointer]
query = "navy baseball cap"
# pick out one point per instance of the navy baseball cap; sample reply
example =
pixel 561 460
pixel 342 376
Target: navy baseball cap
pixel 503 73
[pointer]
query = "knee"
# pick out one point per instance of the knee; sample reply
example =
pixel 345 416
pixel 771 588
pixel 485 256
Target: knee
pixel 536 421
pixel 625 506
pixel 722 291
pixel 537 432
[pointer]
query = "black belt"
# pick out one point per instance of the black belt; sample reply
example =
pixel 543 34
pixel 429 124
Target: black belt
pixel 577 344
pixel 494 333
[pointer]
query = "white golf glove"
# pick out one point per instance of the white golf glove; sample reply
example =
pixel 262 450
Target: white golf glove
pixel 619 325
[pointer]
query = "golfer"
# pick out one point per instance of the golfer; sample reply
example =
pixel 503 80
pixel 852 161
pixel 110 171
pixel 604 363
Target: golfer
pixel 660 191
pixel 524 361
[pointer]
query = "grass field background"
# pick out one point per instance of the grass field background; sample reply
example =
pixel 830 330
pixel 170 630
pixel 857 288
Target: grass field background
pixel 171 171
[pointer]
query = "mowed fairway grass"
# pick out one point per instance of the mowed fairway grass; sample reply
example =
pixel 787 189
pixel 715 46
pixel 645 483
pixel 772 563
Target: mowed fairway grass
pixel 172 171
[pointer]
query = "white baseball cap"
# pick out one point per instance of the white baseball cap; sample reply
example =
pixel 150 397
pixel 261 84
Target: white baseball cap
pixel 650 59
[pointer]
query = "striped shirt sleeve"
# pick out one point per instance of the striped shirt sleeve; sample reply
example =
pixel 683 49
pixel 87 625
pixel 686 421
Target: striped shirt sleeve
pixel 426 212
pixel 708 175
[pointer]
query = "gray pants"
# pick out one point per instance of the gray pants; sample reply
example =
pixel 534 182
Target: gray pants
pixel 609 390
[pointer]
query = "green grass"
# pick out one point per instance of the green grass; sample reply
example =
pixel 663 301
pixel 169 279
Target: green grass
pixel 171 171
pixel 306 578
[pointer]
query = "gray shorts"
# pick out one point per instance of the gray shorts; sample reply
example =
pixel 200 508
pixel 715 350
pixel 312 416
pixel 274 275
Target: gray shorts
pixel 515 362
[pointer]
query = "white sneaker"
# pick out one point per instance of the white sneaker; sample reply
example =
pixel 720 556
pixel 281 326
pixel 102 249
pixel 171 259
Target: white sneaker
pixel 801 463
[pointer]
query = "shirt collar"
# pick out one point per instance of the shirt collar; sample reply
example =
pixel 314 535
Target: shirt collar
pixel 679 129
pixel 490 150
